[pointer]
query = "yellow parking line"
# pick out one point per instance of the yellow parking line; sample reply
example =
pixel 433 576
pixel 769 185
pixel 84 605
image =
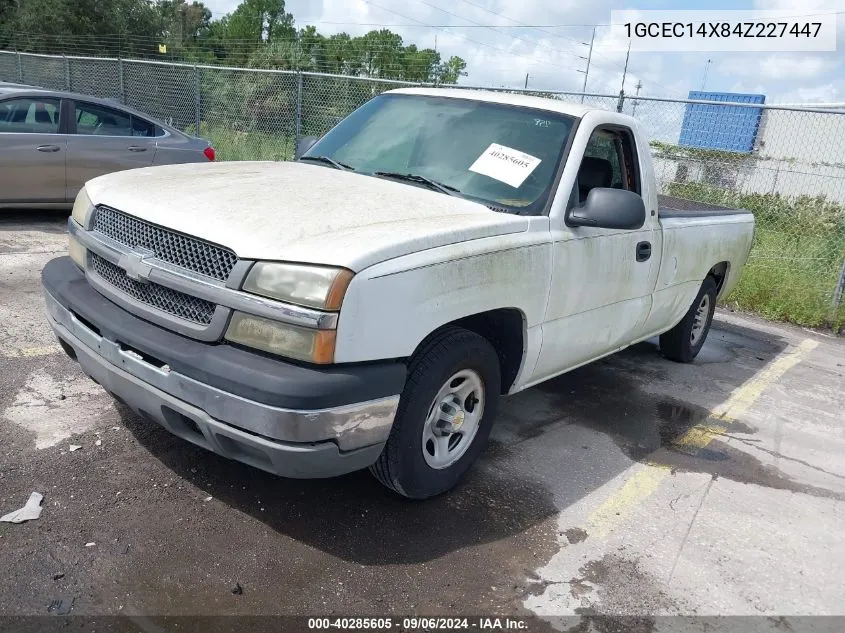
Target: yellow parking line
pixel 32 352
pixel 644 481
pixel 745 396
pixel 636 489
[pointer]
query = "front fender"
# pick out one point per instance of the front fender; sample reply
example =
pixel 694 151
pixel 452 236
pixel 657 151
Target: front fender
pixel 391 307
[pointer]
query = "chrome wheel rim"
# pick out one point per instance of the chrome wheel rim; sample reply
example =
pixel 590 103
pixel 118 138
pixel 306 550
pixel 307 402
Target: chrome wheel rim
pixel 453 419
pixel 700 320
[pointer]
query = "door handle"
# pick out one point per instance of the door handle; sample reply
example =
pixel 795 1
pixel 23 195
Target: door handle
pixel 136 148
pixel 48 148
pixel 643 251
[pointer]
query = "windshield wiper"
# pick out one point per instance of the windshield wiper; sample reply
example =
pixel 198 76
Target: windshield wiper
pixel 432 184
pixel 328 161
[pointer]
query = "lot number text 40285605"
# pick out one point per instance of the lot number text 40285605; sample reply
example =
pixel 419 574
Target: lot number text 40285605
pixel 421 623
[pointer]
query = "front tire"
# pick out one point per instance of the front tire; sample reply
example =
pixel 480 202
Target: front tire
pixel 684 341
pixel 444 417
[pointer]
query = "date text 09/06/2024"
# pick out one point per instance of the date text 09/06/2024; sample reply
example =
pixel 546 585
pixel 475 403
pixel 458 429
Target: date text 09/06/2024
pixel 419 623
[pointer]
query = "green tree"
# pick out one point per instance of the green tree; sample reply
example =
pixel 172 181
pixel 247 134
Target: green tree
pixel 420 65
pixel 260 21
pixel 258 34
pixel 103 26
pixel 279 55
pixel 181 21
pixel 338 55
pixel 452 70
pixel 380 54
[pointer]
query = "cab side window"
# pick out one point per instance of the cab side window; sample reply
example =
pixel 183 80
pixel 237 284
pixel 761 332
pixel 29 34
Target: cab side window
pixel 609 161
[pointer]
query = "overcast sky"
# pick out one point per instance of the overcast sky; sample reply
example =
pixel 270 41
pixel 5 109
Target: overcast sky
pixel 502 55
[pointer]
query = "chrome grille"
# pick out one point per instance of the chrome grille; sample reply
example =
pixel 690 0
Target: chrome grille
pixel 181 250
pixel 166 299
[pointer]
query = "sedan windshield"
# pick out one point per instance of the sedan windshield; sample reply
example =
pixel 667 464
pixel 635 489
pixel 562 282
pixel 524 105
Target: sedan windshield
pixel 502 155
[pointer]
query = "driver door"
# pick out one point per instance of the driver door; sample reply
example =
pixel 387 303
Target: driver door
pixel 601 289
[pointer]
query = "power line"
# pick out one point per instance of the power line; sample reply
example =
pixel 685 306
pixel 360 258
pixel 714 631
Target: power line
pixel 499 50
pixel 636 101
pixel 523 25
pixel 589 58
pixel 492 28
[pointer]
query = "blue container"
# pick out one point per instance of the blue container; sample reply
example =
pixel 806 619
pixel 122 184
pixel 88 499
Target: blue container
pixel 728 128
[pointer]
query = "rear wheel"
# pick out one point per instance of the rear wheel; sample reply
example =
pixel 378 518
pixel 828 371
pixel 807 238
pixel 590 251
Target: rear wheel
pixel 445 415
pixel 684 341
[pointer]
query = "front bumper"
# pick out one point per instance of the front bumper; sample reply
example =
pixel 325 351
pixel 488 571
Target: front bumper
pixel 301 443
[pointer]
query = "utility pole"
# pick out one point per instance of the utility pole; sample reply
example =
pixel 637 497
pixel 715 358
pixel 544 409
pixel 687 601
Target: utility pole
pixel 625 72
pixel 706 70
pixel 589 58
pixel 182 24
pixel 526 81
pixel 636 102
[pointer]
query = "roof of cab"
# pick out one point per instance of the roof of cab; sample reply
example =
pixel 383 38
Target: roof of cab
pixel 525 101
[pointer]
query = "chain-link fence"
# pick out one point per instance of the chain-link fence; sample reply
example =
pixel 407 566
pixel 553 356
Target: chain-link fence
pixel 787 165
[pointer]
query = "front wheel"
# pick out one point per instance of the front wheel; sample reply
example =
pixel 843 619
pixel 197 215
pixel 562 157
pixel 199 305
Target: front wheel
pixel 683 342
pixel 445 415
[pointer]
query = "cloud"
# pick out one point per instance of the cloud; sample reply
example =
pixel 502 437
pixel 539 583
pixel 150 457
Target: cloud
pixel 808 7
pixel 824 93
pixel 502 55
pixel 780 66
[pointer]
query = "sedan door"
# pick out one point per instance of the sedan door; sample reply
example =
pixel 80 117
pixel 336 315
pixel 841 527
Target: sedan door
pixel 102 140
pixel 32 151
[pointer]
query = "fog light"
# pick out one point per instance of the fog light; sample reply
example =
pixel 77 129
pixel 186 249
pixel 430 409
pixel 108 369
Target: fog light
pixel 315 346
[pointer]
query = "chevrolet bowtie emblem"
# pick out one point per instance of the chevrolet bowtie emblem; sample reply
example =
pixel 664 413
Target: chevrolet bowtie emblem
pixel 135 266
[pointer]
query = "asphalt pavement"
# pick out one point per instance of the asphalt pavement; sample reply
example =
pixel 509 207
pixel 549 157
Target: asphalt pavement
pixel 624 494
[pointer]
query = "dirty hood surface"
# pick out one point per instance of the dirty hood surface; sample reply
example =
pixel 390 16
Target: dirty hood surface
pixel 299 212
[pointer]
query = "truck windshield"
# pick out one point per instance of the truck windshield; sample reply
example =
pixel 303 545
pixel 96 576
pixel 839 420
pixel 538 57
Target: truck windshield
pixel 501 155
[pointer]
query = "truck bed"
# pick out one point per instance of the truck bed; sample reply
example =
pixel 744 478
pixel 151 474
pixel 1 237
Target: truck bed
pixel 672 207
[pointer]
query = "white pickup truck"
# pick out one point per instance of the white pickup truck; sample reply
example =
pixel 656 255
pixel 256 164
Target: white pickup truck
pixel 368 304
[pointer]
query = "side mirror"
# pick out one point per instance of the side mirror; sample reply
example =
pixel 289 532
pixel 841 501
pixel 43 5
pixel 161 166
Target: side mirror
pixel 609 209
pixel 303 145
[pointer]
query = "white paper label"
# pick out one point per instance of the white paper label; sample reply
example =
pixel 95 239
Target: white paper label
pixel 505 164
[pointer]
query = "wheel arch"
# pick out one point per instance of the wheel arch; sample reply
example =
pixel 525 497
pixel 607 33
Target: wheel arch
pixel 504 329
pixel 720 273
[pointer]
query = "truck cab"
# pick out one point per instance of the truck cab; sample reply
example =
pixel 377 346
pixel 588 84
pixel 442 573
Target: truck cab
pixel 369 304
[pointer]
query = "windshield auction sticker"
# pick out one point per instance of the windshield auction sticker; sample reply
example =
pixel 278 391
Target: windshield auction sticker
pixel 505 164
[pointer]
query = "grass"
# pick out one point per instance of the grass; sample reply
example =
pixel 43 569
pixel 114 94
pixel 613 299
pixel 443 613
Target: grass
pixel 796 258
pixel 233 144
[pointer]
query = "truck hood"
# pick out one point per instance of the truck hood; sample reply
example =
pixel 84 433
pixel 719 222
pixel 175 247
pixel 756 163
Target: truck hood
pixel 299 212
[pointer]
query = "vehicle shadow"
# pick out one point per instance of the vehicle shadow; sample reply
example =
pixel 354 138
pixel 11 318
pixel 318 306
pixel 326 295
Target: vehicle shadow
pixel 552 445
pixel 41 220
pixel 353 517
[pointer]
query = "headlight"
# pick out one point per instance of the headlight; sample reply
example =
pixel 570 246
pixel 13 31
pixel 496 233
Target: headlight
pixel 82 208
pixel 319 287
pixel 314 346
pixel 76 251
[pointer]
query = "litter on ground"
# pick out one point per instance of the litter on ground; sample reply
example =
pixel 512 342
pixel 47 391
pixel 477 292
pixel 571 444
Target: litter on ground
pixel 30 512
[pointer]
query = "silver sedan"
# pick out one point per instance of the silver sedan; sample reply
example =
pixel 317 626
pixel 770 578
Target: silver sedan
pixel 52 142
